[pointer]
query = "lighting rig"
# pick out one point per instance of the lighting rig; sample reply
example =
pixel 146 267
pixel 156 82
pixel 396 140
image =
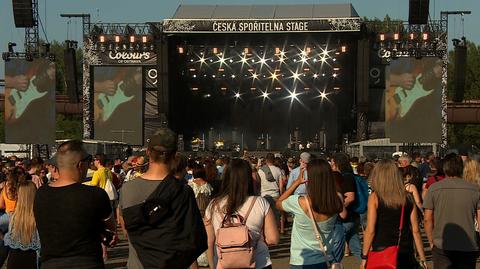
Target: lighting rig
pixel 266 69
pixel 29 56
pixel 400 39
pixel 124 37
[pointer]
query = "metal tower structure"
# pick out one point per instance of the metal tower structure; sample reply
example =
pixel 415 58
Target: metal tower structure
pixel 31 34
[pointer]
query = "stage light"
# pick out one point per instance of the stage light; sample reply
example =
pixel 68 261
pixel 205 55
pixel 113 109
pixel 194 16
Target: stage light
pixel 293 95
pixel 244 59
pixel 396 36
pixel 323 95
pixel 344 49
pixel 274 76
pixel 231 60
pixel 215 50
pixel 181 50
pixel 323 59
pixel 223 88
pixel 237 95
pixel 202 60
pixel 277 51
pixel 253 60
pixel 325 52
pixel 425 36
pixel 144 39
pixel 304 53
pixel 323 75
pixel 382 37
pixel 117 39
pixel 265 94
pixel 194 76
pixel 336 68
pixel 101 39
pixel 132 39
pixel 278 88
pixel 282 59
pixel 315 75
pixel 222 60
pixel 263 60
pixel 334 75
pixel 295 75
pixel 195 89
pixel 213 76
pixel 211 60
pixel 411 36
pixel 294 60
pixel 232 76
pixel 282 53
pixel 334 59
pixel 304 59
pixel 336 88
pixel 253 88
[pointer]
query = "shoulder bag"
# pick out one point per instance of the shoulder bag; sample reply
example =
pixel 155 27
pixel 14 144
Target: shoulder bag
pixel 334 265
pixel 387 258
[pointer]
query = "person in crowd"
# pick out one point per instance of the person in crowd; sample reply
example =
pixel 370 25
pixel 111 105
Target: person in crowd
pixel 304 159
pixel 235 197
pixel 404 161
pixel 416 159
pixel 290 165
pixel 471 171
pixel 22 237
pixel 138 168
pixel 71 216
pixel 346 182
pixel 386 205
pixel 33 169
pixel 425 167
pixel 179 169
pixel 8 197
pixel 99 179
pixel 160 214
pixel 451 206
pixel 326 205
pixel 270 177
pixel 203 191
pixel 407 173
pixel 436 175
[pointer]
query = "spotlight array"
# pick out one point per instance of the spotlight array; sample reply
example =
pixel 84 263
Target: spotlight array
pixel 268 68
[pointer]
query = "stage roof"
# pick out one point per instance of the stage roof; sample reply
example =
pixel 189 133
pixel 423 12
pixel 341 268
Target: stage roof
pixel 265 12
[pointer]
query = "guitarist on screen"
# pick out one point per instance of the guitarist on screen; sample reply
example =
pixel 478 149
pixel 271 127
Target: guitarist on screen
pixel 112 90
pixel 413 98
pixel 26 85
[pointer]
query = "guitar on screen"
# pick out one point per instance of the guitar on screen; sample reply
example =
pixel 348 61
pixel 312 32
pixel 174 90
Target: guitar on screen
pixel 109 103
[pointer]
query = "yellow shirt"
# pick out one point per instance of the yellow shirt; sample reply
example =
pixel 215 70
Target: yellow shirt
pixel 100 176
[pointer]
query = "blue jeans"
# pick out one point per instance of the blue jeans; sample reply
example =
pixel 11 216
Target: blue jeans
pixel 351 237
pixel 310 266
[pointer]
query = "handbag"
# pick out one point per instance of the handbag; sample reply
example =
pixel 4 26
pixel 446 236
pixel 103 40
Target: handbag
pixel 387 258
pixel 334 265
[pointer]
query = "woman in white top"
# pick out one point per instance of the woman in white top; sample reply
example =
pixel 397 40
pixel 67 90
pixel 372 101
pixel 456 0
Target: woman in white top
pixel 235 196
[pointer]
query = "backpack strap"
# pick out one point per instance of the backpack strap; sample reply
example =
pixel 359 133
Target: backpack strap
pixel 249 209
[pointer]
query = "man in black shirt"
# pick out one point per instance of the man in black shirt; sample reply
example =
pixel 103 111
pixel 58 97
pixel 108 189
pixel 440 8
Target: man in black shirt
pixel 71 216
pixel 346 183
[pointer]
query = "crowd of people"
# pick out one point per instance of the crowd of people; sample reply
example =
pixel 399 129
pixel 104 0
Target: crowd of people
pixel 189 212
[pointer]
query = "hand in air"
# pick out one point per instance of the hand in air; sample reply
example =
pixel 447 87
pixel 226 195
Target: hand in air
pixel 300 179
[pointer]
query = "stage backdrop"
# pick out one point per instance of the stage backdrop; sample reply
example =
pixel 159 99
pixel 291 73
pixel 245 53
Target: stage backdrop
pixel 413 98
pixel 29 101
pixel 118 104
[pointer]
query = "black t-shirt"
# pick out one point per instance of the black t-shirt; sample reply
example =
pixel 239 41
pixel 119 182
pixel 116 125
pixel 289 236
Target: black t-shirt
pixel 70 219
pixel 346 183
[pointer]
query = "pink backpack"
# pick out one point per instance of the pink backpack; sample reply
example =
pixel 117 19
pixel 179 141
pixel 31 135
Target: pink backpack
pixel 235 247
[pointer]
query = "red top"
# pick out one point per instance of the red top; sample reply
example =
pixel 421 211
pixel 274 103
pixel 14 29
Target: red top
pixel 433 179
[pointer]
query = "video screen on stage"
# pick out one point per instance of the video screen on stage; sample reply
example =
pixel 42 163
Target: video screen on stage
pixel 118 104
pixel 29 101
pixel 413 100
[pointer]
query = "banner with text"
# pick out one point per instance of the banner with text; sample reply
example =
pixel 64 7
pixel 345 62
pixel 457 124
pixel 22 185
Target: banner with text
pixel 261 25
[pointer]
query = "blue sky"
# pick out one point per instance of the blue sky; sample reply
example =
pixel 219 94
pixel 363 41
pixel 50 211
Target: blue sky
pixel 156 10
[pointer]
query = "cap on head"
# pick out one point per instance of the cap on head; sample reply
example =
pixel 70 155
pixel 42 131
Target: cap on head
pixel 305 157
pixel 164 140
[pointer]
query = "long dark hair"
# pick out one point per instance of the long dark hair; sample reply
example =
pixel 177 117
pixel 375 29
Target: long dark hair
pixel 321 188
pixel 343 163
pixel 14 177
pixel 237 186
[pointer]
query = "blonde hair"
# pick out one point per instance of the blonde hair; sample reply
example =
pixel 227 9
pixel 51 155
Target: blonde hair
pixel 23 220
pixel 387 183
pixel 471 171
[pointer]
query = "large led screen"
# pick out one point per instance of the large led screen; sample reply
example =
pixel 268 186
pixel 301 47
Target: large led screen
pixel 29 101
pixel 413 100
pixel 118 104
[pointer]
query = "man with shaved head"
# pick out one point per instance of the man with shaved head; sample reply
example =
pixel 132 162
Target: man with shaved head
pixel 71 217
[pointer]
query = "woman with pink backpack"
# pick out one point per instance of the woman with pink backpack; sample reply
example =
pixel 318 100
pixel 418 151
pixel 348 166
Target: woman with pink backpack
pixel 240 226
